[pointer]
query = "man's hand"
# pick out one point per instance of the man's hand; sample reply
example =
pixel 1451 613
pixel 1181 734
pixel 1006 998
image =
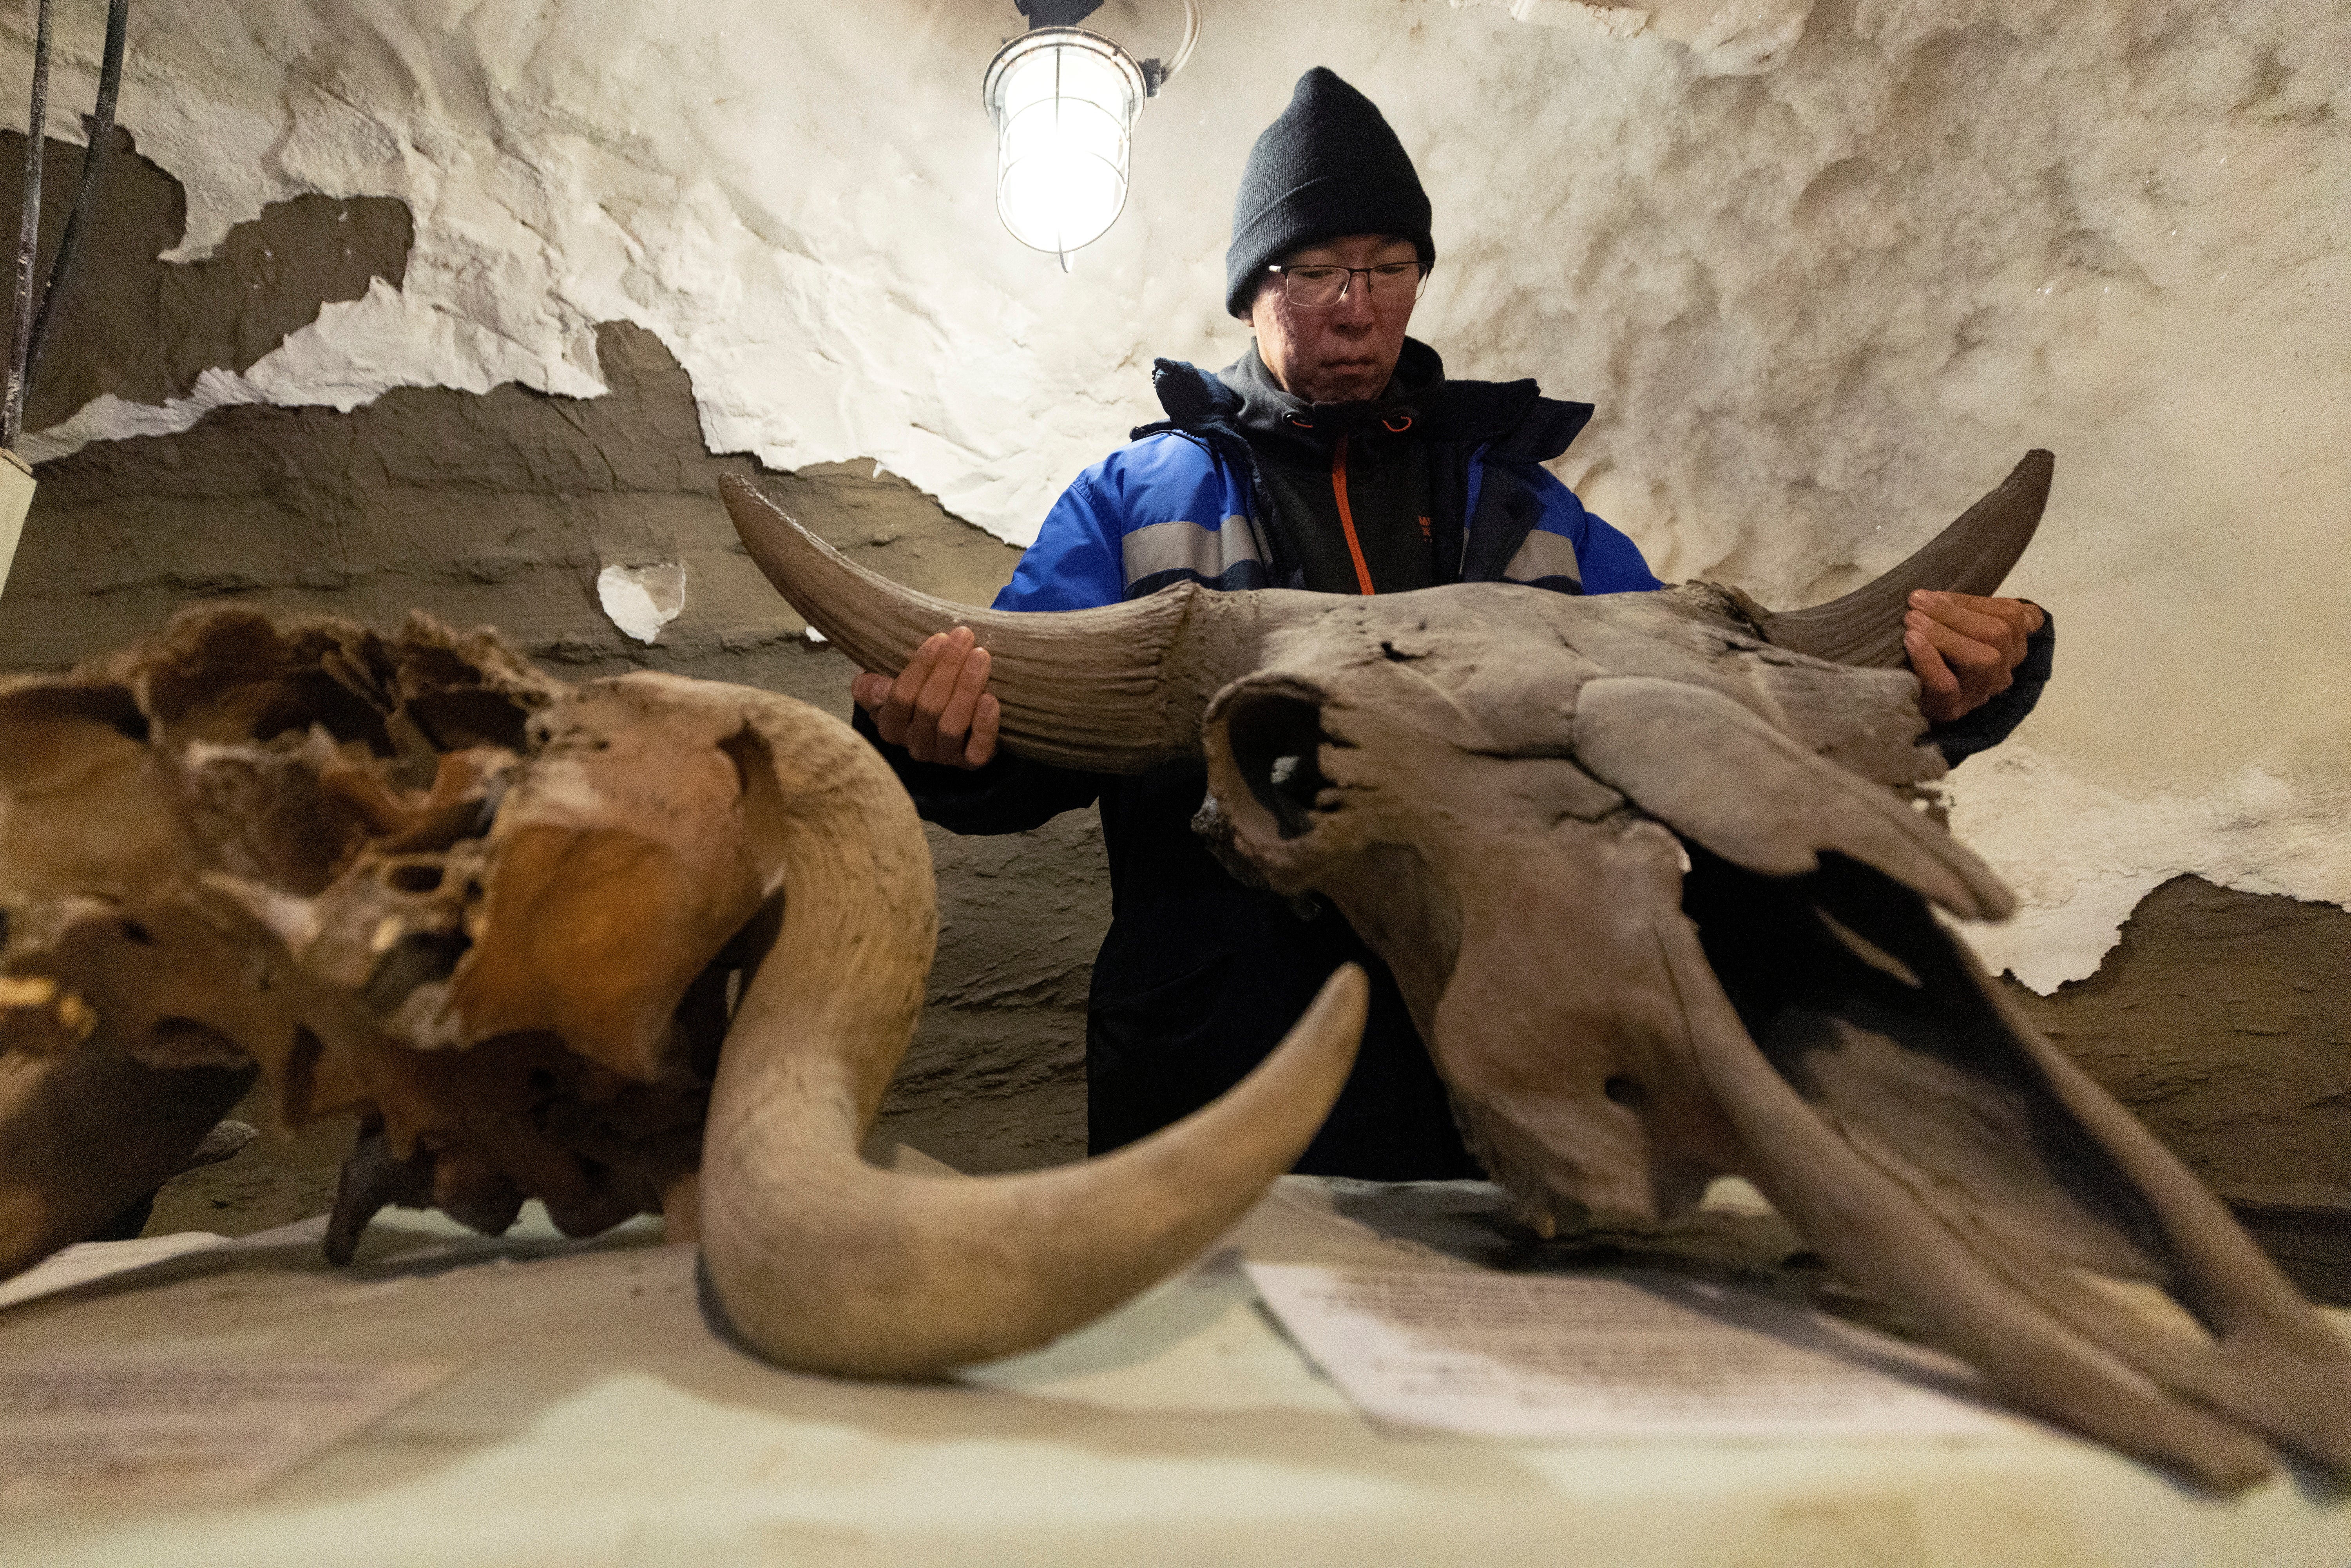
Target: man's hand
pixel 1964 649
pixel 938 708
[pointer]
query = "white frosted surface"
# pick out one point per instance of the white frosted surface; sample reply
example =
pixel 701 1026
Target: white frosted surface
pixel 1826 273
pixel 642 600
pixel 2080 854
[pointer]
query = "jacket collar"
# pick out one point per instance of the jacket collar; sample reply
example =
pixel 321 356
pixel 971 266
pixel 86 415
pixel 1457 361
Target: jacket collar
pixel 1269 415
pixel 1513 417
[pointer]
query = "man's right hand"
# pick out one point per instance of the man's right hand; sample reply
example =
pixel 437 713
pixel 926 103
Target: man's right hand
pixel 938 707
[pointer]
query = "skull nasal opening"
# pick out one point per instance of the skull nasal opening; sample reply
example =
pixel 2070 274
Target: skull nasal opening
pixel 1273 738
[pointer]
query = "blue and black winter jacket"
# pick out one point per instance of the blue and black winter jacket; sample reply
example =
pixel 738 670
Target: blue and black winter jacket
pixel 1191 499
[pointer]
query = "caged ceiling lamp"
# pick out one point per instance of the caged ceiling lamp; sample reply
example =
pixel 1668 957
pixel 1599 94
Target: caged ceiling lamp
pixel 1063 102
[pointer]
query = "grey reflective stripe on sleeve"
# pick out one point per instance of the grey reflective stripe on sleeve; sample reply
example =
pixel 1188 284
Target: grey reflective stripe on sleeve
pixel 1543 555
pixel 1188 547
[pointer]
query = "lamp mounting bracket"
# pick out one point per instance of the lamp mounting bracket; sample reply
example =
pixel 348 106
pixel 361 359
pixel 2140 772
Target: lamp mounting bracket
pixel 1056 13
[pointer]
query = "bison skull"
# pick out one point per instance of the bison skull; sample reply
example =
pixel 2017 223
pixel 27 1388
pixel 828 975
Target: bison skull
pixel 643 944
pixel 1656 873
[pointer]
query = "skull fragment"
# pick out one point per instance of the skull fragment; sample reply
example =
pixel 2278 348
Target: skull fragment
pixel 1656 874
pixel 641 945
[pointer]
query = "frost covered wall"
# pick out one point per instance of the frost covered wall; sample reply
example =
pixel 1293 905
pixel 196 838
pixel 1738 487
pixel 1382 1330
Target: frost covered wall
pixel 1826 270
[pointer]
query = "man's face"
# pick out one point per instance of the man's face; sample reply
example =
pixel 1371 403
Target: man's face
pixel 1342 354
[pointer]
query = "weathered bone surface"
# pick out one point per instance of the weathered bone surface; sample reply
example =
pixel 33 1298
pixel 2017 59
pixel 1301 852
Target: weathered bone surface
pixel 638 945
pixel 1656 884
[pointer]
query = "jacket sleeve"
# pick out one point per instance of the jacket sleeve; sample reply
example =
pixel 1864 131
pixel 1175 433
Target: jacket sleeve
pixel 1076 562
pixel 1073 565
pixel 1606 561
pixel 1010 795
pixel 1992 723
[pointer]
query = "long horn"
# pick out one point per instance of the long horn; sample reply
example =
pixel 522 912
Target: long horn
pixel 825 1263
pixel 1974 555
pixel 1113 690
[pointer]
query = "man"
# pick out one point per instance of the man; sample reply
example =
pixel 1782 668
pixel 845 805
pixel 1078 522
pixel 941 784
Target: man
pixel 1335 456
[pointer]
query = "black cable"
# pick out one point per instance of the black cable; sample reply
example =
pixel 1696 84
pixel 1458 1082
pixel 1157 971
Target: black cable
pixel 28 238
pixel 101 126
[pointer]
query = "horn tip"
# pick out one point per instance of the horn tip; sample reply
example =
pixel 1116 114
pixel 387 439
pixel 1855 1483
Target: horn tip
pixel 2036 468
pixel 1335 1017
pixel 740 493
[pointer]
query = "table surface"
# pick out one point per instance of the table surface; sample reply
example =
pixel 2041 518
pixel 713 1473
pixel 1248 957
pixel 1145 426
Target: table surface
pixel 595 1418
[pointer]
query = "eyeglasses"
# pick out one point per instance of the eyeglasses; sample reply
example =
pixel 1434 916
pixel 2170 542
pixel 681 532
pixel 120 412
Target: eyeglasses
pixel 1393 283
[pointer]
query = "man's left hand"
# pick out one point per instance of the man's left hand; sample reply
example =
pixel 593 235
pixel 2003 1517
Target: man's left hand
pixel 1964 649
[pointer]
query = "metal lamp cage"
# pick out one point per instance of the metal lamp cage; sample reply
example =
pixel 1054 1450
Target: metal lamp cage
pixel 1063 102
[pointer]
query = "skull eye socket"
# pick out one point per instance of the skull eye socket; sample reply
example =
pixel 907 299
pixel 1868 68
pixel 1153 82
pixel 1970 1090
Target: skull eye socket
pixel 1274 741
pixel 413 876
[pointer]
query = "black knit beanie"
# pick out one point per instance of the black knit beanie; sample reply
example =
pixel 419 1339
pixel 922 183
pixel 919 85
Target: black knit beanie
pixel 1327 166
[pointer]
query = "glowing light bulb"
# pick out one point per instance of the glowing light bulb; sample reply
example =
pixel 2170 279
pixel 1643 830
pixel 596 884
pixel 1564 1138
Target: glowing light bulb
pixel 1064 101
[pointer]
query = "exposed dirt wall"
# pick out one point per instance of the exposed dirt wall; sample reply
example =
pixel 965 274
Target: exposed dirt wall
pixel 144 329
pixel 2223 1018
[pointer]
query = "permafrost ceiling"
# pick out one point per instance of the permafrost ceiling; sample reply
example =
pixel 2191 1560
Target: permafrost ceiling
pixel 1826 270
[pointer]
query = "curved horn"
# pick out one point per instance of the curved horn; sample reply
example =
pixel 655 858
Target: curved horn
pixel 825 1263
pixel 1972 556
pixel 1113 690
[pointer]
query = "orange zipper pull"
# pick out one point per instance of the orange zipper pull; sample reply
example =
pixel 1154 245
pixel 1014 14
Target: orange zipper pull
pixel 1347 516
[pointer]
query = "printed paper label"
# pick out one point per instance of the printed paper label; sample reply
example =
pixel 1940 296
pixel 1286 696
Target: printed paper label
pixel 155 1429
pixel 1526 1355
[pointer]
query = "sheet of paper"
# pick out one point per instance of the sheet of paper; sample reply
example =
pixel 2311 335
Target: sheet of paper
pixel 1558 1356
pixel 15 500
pixel 168 1430
pixel 87 1260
